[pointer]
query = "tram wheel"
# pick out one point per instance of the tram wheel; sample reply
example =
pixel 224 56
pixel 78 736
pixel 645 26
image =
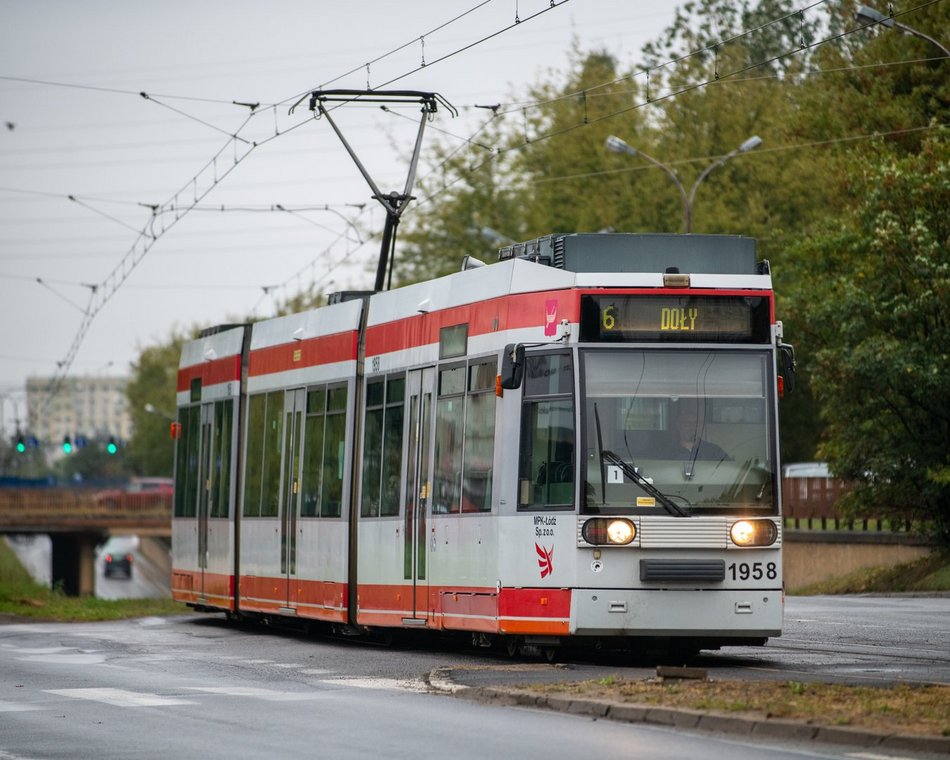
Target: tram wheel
pixel 551 654
pixel 513 646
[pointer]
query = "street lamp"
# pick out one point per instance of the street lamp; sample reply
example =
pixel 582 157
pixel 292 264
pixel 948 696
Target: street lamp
pixel 150 408
pixel 867 16
pixel 615 145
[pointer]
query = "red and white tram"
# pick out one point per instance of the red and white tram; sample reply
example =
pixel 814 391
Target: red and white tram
pixel 576 443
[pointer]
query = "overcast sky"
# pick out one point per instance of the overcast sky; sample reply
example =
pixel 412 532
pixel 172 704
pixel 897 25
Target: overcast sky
pixel 82 166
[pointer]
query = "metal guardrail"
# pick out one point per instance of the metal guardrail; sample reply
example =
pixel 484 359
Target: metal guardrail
pixel 77 509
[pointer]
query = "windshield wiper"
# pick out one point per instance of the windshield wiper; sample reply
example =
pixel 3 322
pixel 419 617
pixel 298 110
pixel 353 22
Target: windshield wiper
pixel 632 473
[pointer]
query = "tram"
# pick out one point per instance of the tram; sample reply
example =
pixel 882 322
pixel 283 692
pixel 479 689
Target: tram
pixel 575 444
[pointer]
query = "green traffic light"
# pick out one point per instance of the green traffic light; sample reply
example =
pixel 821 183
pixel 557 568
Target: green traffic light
pixel 111 447
pixel 20 446
pixel 67 445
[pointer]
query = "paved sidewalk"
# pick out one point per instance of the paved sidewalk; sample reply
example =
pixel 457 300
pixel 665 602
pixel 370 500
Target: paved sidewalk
pixel 443 680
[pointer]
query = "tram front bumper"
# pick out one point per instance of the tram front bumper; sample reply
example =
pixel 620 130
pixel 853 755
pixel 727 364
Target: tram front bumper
pixel 725 614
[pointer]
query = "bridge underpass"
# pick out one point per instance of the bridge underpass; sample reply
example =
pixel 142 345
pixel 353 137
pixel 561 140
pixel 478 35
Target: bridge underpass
pixel 77 521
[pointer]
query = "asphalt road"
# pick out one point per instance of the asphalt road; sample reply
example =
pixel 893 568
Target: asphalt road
pixel 199 687
pixel 873 640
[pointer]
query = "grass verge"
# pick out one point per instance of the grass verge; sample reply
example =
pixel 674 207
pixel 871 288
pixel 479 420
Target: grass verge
pixel 21 596
pixel 923 710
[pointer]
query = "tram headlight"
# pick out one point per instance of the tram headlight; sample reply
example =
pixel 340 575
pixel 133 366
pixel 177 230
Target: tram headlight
pixel 609 530
pixel 753 533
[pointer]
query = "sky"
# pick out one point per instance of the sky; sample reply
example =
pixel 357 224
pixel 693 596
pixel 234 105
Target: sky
pixel 126 217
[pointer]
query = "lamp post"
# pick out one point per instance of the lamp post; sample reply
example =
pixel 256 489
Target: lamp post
pixel 151 409
pixel 615 145
pixel 868 16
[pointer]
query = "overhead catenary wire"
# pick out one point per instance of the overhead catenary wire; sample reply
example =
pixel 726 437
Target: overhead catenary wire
pixel 118 275
pixel 278 133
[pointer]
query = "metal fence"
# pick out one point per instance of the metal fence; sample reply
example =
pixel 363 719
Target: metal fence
pixel 71 509
pixel 811 503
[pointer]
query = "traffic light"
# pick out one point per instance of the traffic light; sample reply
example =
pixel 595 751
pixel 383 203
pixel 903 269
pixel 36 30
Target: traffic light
pixel 67 445
pixel 20 444
pixel 111 446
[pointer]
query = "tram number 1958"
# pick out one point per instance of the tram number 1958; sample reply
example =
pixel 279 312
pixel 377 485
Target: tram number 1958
pixel 743 571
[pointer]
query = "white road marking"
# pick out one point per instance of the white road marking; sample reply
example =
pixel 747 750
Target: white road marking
pixel 121 697
pixel 74 658
pixel 266 694
pixel 16 707
pixel 383 684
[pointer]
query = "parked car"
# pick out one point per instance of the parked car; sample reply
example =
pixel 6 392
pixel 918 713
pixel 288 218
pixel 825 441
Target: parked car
pixel 116 556
pixel 138 493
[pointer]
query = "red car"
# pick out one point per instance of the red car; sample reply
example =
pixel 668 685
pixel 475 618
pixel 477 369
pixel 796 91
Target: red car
pixel 140 493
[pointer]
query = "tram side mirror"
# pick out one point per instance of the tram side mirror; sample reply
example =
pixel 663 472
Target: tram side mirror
pixel 787 359
pixel 512 366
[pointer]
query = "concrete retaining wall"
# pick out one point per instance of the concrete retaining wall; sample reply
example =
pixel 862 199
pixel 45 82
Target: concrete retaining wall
pixel 812 557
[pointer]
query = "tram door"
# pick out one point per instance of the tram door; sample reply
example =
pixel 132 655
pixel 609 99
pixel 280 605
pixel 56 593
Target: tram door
pixel 205 491
pixel 418 488
pixel 295 405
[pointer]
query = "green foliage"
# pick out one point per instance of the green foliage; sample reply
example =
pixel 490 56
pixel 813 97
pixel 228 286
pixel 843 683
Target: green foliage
pixel 154 381
pixel 879 312
pixel 464 196
pixel 726 36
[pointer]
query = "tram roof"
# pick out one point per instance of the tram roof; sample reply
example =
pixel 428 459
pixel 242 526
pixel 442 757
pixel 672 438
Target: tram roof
pixel 641 252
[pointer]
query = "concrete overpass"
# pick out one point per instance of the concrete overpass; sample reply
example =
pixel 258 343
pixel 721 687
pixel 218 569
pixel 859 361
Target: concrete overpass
pixel 77 520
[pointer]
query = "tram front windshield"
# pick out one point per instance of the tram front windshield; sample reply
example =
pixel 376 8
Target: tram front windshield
pixel 678 432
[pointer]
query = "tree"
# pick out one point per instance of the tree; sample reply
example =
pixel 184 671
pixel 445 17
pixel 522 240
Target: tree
pixel 154 381
pixel 878 308
pixel 466 194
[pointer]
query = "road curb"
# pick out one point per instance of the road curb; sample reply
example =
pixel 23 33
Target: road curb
pixel 774 728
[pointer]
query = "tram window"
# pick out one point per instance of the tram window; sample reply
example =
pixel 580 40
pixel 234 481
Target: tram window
pixel 254 464
pixel 313 453
pixel 325 430
pixel 548 374
pixel 372 448
pixel 382 447
pixel 479 438
pixel 453 341
pixel 546 471
pixel 273 436
pixel 221 483
pixel 546 460
pixel 696 423
pixel 186 474
pixel 446 492
pixel 331 497
pixel 481 377
pixel 392 445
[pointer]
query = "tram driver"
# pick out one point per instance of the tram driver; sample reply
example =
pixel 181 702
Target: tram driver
pixel 687 441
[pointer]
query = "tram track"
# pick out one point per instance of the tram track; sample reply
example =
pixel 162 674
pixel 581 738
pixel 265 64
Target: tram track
pixel 927 656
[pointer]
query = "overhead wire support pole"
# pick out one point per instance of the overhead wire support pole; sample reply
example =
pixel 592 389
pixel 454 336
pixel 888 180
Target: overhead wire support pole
pixel 394 203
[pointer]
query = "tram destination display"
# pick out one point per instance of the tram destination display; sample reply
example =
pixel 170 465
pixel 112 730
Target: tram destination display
pixel 717 319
